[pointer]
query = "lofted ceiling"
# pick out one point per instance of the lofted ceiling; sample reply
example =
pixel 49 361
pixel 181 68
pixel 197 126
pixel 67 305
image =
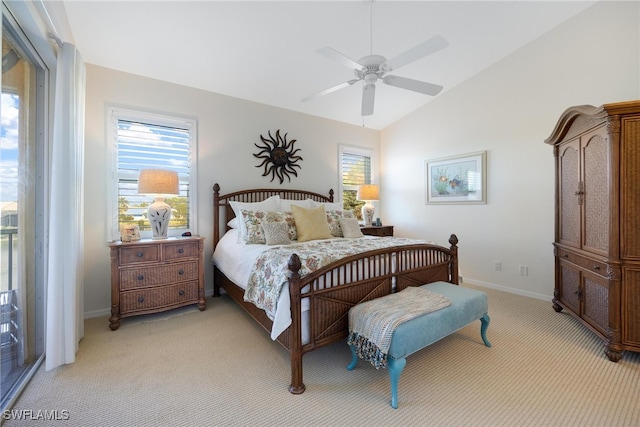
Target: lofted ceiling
pixel 265 51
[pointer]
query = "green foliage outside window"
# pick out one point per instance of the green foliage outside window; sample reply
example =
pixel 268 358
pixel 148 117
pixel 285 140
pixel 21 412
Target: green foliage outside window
pixel 350 203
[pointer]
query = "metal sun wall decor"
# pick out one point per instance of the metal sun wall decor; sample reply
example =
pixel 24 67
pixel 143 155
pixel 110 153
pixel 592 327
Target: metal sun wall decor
pixel 279 156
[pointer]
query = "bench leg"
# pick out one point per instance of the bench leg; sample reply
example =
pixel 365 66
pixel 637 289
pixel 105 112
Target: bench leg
pixel 483 329
pixel 354 359
pixel 395 367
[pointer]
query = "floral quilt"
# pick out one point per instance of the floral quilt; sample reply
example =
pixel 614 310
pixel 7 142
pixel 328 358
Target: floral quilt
pixel 270 270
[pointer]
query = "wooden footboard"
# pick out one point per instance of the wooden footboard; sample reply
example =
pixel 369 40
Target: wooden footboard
pixel 332 290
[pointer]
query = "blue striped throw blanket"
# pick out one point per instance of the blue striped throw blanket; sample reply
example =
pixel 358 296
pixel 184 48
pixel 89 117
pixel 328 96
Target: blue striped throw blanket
pixel 372 323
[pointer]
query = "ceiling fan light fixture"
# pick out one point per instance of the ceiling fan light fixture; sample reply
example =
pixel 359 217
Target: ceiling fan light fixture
pixel 372 67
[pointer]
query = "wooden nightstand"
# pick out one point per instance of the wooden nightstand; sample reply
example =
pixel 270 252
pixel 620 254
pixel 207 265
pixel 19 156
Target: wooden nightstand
pixel 149 276
pixel 380 231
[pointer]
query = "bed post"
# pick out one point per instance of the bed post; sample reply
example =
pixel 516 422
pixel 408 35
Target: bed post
pixel 453 240
pixel 216 230
pixel 295 332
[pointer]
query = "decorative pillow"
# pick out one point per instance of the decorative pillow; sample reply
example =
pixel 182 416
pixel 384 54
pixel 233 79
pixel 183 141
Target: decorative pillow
pixel 276 233
pixel 333 220
pixel 284 205
pixel 350 228
pixel 253 220
pixel 270 204
pixel 311 224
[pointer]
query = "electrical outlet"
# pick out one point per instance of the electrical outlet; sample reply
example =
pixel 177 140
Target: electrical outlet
pixel 497 266
pixel 524 270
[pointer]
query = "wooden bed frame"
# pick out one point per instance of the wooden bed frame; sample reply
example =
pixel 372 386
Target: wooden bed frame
pixel 335 288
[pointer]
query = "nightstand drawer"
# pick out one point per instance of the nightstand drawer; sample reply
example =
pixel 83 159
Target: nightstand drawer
pixel 151 276
pixel 180 250
pixel 378 230
pixel 138 254
pixel 157 298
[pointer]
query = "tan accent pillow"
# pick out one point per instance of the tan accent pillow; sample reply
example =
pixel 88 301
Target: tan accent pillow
pixel 350 228
pixel 311 224
pixel 276 233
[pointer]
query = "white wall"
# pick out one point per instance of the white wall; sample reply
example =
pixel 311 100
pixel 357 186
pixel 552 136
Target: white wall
pixel 227 130
pixel 508 110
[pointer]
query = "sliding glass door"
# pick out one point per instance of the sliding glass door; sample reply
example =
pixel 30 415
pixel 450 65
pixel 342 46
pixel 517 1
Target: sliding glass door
pixel 22 216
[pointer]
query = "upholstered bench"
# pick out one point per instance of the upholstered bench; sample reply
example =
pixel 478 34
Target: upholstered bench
pixel 466 306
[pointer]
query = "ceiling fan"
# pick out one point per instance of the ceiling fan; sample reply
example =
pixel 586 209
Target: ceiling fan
pixel 372 68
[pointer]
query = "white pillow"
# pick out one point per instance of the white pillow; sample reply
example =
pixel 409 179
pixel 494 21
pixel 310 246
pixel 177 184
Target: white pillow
pixel 284 205
pixel 234 223
pixel 328 206
pixel 270 204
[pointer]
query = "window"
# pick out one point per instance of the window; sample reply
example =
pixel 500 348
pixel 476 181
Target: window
pixel 25 92
pixel 356 169
pixel 151 141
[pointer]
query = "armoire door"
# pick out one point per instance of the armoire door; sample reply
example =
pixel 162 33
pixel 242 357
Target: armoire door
pixel 595 188
pixel 569 192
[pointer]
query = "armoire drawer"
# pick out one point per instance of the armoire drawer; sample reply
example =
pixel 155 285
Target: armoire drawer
pixel 593 265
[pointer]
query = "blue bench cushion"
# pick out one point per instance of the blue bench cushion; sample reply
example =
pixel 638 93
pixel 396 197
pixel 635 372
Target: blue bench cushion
pixel 467 305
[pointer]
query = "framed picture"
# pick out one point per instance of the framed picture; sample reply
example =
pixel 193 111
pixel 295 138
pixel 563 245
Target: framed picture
pixel 129 232
pixel 457 179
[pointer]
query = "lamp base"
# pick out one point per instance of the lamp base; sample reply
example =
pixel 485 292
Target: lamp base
pixel 367 213
pixel 159 214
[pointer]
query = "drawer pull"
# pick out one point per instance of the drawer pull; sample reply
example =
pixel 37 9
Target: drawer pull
pixel 181 293
pixel 181 271
pixel 596 267
pixel 140 254
pixel 566 255
pixel 180 251
pixel 140 299
pixel 140 277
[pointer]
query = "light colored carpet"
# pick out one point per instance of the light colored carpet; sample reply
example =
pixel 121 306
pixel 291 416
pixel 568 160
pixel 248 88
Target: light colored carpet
pixel 191 368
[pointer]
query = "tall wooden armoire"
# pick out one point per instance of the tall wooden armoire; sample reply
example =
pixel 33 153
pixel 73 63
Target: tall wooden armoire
pixel 597 221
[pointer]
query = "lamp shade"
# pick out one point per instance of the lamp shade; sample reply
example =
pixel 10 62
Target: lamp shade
pixel 158 181
pixel 368 192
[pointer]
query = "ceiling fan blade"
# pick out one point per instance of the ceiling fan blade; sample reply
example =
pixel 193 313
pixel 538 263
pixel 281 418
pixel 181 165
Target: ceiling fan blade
pixel 340 58
pixel 368 96
pixel 414 85
pixel 425 48
pixel 329 90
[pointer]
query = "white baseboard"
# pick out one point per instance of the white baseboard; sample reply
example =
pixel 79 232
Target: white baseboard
pixel 508 289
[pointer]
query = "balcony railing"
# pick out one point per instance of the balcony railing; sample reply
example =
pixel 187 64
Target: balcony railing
pixel 7 272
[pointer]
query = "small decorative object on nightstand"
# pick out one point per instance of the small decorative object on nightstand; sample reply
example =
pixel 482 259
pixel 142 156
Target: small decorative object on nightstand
pixel 149 276
pixel 380 231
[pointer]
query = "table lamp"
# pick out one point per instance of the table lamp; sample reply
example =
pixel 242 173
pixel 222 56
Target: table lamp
pixel 368 193
pixel 158 183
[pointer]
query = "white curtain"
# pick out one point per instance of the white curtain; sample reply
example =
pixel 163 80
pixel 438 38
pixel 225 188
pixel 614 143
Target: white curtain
pixel 65 307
